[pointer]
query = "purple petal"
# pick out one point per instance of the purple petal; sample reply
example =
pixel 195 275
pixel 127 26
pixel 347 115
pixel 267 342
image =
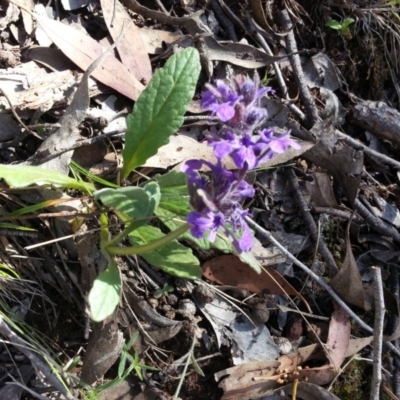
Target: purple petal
pixel 225 111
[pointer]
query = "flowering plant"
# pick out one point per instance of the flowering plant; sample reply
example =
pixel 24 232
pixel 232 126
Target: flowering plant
pixel 217 200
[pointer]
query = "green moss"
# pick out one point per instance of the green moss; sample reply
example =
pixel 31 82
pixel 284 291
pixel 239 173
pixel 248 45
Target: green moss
pixel 354 382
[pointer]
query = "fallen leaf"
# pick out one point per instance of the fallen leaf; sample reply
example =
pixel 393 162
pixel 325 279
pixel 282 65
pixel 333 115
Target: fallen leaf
pixel 83 50
pixel 259 378
pixel 258 14
pixel 131 47
pixel 338 337
pixel 349 277
pixel 321 190
pixel 230 270
pixel 153 39
pixel 26 17
pixel 181 148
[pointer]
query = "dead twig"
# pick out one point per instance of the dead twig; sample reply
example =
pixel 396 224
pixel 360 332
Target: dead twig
pixel 378 333
pixel 304 209
pixel 298 74
pixel 336 213
pixel 357 144
pixel 376 223
pixel 281 81
pixel 317 279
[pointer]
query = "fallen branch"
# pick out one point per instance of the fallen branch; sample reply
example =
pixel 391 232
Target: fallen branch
pixel 317 279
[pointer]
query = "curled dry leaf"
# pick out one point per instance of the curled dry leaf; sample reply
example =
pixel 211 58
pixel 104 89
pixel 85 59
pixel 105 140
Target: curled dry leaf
pixel 259 378
pixel 349 277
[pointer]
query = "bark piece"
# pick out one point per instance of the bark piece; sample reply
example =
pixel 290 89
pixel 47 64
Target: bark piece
pixel 377 117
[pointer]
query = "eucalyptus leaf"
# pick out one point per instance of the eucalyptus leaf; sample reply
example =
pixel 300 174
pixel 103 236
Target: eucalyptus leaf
pixel 105 294
pixel 159 111
pixel 173 258
pixel 20 176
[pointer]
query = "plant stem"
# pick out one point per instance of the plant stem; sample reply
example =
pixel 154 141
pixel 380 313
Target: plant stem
pixel 178 389
pixel 155 244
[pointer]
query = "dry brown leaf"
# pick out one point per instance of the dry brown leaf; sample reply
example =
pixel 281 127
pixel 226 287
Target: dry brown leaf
pixel 51 58
pixel 230 270
pixel 259 378
pixel 131 47
pixel 258 13
pixel 83 50
pixel 338 337
pixel 349 277
pixel 153 39
pixel 321 190
pixel 181 148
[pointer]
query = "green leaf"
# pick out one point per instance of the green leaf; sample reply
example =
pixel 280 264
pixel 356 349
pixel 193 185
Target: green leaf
pixel 174 206
pixel 347 22
pixel 196 366
pixel 172 258
pixel 105 294
pixel 334 24
pixel 251 261
pixel 133 201
pixel 20 176
pixel 153 191
pixel 159 111
pixel 122 364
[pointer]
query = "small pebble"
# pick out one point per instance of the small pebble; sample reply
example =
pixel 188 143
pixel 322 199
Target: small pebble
pixel 285 347
pixel 187 308
pixel 203 294
pixel 260 313
pixel 172 299
pixel 153 302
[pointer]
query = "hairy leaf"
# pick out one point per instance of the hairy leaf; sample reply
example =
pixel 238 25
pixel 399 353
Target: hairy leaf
pixel 104 296
pixel 159 111
pixel 172 258
pixel 20 176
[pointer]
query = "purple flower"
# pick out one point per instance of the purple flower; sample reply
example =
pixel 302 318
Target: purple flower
pixel 274 144
pixel 216 198
pixel 217 204
pixel 202 222
pixel 236 105
pixel 220 100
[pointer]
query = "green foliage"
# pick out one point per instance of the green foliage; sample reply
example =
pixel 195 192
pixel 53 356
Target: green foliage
pixel 21 176
pixel 132 201
pixel 174 206
pixel 163 291
pixel 342 27
pixel 105 294
pixel 173 257
pixel 157 114
pixel 159 111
